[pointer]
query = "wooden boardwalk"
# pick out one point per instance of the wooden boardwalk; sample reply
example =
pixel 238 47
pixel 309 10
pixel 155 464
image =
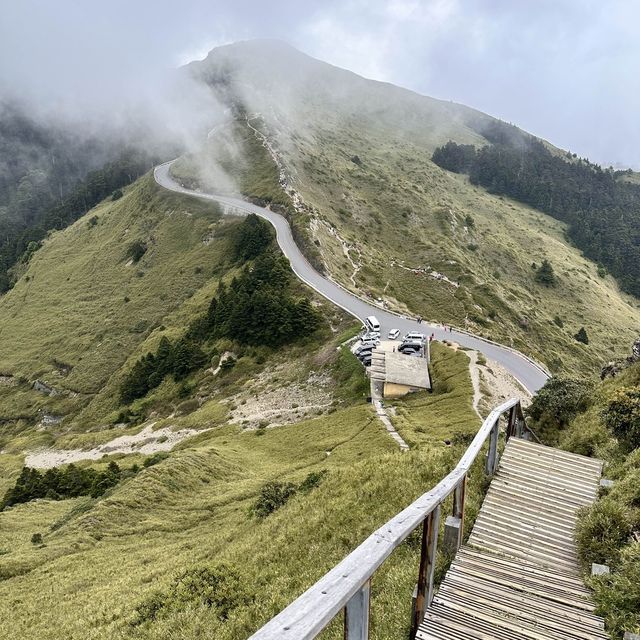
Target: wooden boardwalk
pixel 518 575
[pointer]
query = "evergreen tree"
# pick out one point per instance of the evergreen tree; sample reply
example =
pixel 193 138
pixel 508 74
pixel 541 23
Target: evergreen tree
pixel 252 237
pixel 602 212
pixel 581 336
pixel 545 274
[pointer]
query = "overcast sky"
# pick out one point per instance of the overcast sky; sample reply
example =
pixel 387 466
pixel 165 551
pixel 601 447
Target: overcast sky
pixel 566 70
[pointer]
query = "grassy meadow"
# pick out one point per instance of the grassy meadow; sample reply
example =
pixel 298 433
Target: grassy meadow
pixel 395 211
pixel 101 559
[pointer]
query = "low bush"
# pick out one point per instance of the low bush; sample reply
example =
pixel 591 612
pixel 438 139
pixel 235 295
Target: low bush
pixel 618 593
pixel 274 495
pixel 603 529
pixel 556 404
pixel 155 459
pixel 622 416
pixel 218 587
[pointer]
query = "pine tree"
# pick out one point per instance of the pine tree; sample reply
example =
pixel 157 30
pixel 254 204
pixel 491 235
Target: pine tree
pixel 581 336
pixel 545 274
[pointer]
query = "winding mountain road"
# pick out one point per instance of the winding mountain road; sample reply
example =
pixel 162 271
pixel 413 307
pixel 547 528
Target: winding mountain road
pixel 530 375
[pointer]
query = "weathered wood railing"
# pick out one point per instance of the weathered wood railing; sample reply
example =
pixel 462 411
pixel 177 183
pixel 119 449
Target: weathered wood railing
pixel 347 586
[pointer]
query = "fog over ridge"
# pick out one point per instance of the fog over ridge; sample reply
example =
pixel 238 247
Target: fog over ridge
pixel 559 70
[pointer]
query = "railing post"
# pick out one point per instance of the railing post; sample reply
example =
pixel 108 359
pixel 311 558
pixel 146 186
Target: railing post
pixel 424 591
pixel 356 614
pixel 520 423
pixel 512 425
pixel 492 455
pixel 453 525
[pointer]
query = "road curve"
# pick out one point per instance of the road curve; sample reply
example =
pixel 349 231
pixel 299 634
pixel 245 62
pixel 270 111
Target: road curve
pixel 530 374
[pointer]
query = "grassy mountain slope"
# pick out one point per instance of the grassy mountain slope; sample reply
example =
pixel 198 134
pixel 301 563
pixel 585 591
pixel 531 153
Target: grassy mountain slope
pixel 359 154
pixel 102 558
pixel 83 305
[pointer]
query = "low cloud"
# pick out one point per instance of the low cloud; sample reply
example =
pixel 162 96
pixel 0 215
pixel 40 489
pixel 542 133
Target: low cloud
pixel 562 70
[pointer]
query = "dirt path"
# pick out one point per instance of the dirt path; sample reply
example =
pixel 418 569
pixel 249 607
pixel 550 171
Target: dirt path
pixel 145 442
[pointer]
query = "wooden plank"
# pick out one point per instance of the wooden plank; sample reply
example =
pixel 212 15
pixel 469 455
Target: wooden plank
pixel 518 577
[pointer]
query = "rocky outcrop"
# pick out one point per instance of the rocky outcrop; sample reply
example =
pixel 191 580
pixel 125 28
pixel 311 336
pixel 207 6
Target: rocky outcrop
pixel 613 368
pixel 43 387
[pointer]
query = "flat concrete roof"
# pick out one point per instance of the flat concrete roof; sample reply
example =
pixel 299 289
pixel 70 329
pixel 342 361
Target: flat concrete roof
pixel 397 368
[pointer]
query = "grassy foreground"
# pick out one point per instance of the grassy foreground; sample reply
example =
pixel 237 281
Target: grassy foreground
pixel 101 559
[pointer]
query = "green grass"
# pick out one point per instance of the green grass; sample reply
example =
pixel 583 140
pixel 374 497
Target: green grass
pixel 418 219
pixel 414 215
pixel 101 558
pixel 446 413
pixel 604 529
pixel 82 304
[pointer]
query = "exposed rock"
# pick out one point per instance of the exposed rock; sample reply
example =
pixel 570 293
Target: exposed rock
pixel 43 387
pixel 356 160
pixel 614 367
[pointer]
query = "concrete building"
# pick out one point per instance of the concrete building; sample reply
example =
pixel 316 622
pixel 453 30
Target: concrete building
pixel 394 375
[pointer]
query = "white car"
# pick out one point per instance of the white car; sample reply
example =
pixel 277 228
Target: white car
pixel 394 334
pixel 414 335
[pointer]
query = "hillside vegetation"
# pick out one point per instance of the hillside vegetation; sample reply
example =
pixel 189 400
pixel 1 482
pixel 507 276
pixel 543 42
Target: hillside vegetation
pixel 603 421
pixel 355 157
pixel 196 512
pixel 602 210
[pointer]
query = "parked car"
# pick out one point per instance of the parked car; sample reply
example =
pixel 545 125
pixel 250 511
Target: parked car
pixel 410 346
pixel 414 335
pixel 394 334
pixel 372 324
pixel 363 350
pixel 371 336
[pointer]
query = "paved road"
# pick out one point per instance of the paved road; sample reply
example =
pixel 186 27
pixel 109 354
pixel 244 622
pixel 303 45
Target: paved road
pixel 529 374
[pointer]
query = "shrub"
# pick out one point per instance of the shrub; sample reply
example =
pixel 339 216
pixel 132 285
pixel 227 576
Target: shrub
pixel 618 594
pixel 312 481
pixel 116 195
pixel 36 538
pixel 545 274
pixel 155 459
pixel 273 495
pixel 136 250
pixel 557 320
pixel 602 530
pixel 556 404
pixel 622 416
pixel 582 336
pixel 59 483
pixel 218 588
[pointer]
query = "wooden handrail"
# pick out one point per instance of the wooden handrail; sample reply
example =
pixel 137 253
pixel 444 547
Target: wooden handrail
pixel 347 585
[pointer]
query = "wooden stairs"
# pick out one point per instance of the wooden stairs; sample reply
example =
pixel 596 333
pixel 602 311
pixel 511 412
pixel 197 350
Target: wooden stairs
pixel 518 575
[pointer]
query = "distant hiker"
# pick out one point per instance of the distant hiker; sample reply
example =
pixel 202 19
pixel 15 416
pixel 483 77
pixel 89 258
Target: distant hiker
pixel 419 319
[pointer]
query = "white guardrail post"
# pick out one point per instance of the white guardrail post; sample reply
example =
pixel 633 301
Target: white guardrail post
pixel 356 614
